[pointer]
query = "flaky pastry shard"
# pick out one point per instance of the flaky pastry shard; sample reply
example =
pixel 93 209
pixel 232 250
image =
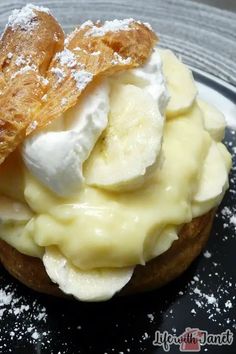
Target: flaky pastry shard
pixel 26 50
pixel 55 77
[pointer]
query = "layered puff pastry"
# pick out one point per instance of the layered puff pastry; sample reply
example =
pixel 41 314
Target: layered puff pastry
pixel 43 74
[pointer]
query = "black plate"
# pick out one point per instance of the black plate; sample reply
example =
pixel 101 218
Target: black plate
pixel 204 298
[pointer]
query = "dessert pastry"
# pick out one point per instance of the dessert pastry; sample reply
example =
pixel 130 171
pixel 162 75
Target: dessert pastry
pixel 111 166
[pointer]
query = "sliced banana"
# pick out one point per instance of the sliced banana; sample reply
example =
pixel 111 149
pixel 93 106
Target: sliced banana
pixel 92 285
pixel 12 211
pixel 214 120
pixel 180 84
pixel 131 143
pixel 214 176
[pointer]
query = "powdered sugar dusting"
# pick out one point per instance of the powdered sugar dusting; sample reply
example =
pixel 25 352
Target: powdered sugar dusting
pixel 87 23
pixel 229 214
pixel 64 101
pixel 109 26
pixel 233 220
pixel 96 53
pixel 24 70
pixel 5 298
pixel 119 60
pixel 217 302
pixel 60 74
pixel 229 217
pixel 148 26
pixel 67 57
pixel 43 80
pixel 25 65
pixel 25 18
pixel 207 254
pixel 212 303
pixel 28 318
pixel 82 78
pixel 20 60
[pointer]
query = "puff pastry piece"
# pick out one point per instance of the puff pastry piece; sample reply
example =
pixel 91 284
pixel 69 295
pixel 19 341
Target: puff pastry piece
pixel 86 57
pixel 29 42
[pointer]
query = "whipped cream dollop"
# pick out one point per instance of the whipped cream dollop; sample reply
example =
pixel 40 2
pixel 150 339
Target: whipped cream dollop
pixel 56 157
pixel 153 80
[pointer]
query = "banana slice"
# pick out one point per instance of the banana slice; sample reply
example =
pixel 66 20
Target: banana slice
pixel 214 120
pixel 12 211
pixel 131 143
pixel 180 84
pixel 92 285
pixel 214 176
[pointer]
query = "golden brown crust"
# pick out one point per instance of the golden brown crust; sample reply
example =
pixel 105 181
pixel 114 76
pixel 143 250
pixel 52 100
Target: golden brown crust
pixel 24 59
pixel 28 270
pixel 156 273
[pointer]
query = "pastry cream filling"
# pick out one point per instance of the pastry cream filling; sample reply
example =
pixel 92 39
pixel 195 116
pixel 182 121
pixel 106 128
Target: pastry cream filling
pixel 98 228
